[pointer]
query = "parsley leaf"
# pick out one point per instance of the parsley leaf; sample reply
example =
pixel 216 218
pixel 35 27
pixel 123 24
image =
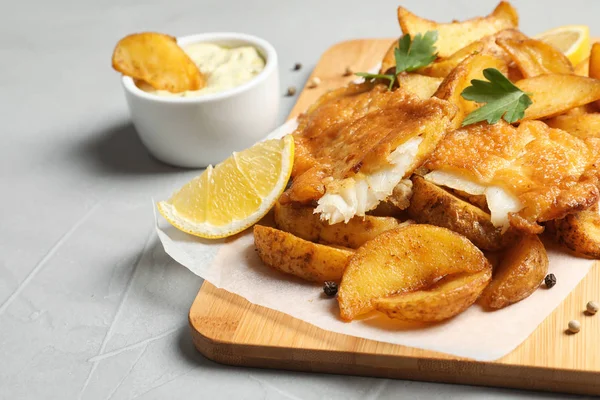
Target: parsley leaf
pixel 502 99
pixel 411 54
pixel 372 77
pixel 416 53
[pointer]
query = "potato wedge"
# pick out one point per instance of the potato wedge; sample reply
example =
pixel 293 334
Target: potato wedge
pixel 520 273
pixel 556 93
pixel 456 35
pixel 594 65
pixel 292 255
pixel 306 225
pixel 580 232
pixel 404 260
pixel 581 125
pixel 389 59
pixel 594 62
pixel 460 78
pixel 421 85
pixel 534 57
pixel 445 299
pixel 583 68
pixel 156 59
pixel 487 46
pixel 430 204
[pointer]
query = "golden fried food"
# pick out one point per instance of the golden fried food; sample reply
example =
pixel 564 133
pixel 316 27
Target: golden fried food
pixel 583 68
pixel 485 46
pixel 304 223
pixel 156 59
pixel 581 125
pixel 594 62
pixel 445 299
pixel 421 85
pixel 460 78
pixel 388 63
pixel 580 232
pixel 519 274
pixel 403 260
pixel 433 205
pixel 594 65
pixel 528 174
pixel 554 94
pixel 534 57
pixel 292 255
pixel 358 143
pixel 456 35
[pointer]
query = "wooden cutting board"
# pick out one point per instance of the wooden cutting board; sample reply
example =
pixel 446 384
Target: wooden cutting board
pixel 228 329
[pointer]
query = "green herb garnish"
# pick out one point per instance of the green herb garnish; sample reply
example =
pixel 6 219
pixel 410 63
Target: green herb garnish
pixel 502 99
pixel 372 77
pixel 410 55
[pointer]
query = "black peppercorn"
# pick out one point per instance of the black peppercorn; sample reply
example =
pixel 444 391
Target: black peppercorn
pixel 330 288
pixel 291 91
pixel 550 280
pixel 297 67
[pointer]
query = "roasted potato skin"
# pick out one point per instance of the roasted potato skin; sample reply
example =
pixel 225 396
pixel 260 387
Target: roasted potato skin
pixel 301 222
pixel 389 59
pixel 586 125
pixel 460 78
pixel 156 59
pixel 403 260
pixel 433 205
pixel 580 232
pixel 456 35
pixel 293 255
pixel 447 298
pixel 519 274
pixel 421 85
pixel 534 57
pixel 594 62
pixel 487 45
pixel 554 94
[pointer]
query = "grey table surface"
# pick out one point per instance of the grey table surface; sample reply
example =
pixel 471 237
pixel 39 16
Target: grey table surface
pixel 91 307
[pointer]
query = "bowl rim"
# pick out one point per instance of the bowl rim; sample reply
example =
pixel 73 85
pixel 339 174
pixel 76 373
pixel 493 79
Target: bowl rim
pixel 267 51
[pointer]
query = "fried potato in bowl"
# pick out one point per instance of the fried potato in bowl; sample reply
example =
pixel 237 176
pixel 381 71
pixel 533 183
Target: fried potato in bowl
pixel 157 59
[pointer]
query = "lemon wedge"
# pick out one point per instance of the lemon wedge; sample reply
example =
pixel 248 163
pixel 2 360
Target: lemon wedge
pixel 572 40
pixel 235 194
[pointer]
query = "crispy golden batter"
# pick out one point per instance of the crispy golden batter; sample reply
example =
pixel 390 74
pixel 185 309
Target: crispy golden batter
pixel 352 130
pixel 551 172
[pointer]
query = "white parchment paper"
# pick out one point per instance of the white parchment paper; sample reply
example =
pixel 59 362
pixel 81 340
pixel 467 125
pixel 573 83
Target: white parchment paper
pixel 233 265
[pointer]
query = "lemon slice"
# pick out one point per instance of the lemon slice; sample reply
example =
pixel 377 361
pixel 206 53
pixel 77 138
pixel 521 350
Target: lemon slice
pixel 235 194
pixel 572 40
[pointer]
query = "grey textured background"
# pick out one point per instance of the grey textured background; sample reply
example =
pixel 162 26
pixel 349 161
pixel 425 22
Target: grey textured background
pixel 90 305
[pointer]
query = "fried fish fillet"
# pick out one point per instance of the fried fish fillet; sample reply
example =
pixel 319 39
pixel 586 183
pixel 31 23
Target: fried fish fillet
pixel 357 143
pixel 528 174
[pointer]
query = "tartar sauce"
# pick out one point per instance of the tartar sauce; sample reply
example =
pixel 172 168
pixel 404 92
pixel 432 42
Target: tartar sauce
pixel 224 68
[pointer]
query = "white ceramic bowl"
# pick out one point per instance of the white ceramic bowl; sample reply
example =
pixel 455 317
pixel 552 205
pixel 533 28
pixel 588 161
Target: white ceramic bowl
pixel 198 131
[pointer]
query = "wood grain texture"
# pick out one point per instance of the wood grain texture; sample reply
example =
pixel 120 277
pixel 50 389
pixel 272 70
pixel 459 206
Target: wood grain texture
pixel 228 329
